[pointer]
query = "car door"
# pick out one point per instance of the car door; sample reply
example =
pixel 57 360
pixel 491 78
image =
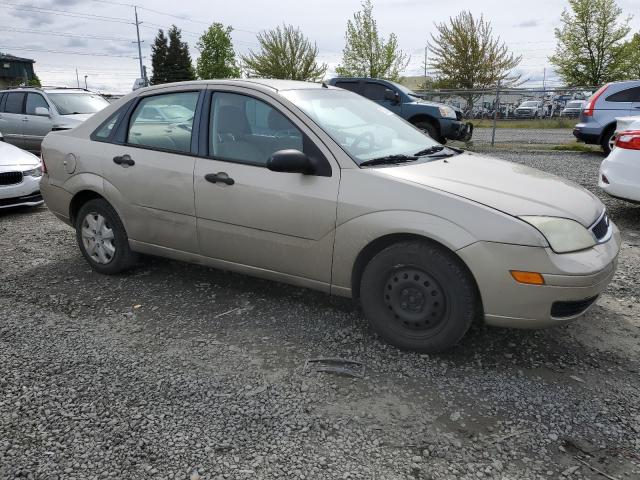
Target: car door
pixel 377 92
pixel 12 118
pixel 254 217
pixel 38 124
pixel 619 104
pixel 148 169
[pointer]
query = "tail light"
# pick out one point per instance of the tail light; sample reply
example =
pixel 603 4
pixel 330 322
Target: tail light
pixel 42 164
pixel 629 139
pixel 588 108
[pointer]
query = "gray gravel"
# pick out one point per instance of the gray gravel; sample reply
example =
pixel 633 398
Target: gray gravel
pixel 549 136
pixel 179 371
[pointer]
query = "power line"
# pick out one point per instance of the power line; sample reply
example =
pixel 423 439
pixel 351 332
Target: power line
pixel 64 34
pixel 64 13
pixel 45 50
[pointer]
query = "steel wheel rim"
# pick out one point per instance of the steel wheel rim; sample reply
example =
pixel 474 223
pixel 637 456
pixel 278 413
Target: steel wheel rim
pixel 98 238
pixel 415 300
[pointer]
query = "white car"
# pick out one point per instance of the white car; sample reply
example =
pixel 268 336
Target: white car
pixel 20 174
pixel 620 171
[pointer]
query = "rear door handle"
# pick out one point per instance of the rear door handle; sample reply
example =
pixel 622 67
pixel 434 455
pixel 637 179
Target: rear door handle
pixel 124 160
pixel 220 177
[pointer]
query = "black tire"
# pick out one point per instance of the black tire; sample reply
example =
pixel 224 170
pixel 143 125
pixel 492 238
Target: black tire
pixel 123 258
pixel 606 138
pixel 419 296
pixel 431 130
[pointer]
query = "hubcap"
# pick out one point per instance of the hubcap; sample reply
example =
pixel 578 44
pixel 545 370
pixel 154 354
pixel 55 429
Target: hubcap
pixel 414 299
pixel 98 238
pixel 612 141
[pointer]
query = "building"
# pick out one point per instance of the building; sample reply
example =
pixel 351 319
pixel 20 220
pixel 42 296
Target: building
pixel 15 70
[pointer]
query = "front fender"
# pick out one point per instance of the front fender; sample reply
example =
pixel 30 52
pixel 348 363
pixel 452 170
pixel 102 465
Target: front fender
pixel 355 234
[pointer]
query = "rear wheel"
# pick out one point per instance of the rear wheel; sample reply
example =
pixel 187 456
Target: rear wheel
pixel 607 142
pixel 418 296
pixel 102 238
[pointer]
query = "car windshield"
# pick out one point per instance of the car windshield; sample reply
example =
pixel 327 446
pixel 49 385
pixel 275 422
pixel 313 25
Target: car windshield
pixel 405 90
pixel 69 103
pixel 529 104
pixel 364 129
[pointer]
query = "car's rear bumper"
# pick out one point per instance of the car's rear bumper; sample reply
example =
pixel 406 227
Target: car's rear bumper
pixel 57 199
pixel 26 193
pixel 588 134
pixel 573 281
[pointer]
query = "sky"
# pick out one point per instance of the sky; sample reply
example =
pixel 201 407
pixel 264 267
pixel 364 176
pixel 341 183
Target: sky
pixel 96 37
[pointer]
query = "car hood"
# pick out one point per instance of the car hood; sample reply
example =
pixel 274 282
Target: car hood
pixel 506 186
pixel 11 156
pixel 70 121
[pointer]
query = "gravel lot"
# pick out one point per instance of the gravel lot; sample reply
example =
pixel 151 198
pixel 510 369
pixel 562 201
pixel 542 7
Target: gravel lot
pixel 180 371
pixel 539 136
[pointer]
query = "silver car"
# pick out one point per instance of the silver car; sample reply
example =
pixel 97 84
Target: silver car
pixel 598 118
pixel 319 187
pixel 28 114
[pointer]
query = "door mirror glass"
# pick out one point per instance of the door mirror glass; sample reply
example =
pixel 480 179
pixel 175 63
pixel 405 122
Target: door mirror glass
pixel 391 95
pixel 42 111
pixel 291 161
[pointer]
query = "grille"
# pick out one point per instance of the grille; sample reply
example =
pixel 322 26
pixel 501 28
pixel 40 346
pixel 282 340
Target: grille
pixel 601 228
pixel 569 309
pixel 10 178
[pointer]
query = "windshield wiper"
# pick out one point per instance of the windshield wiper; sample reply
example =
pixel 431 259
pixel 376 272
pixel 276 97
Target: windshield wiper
pixel 429 151
pixel 389 159
pixel 437 152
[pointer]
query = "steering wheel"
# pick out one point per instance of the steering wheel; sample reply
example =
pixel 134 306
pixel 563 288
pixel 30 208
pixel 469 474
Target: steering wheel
pixel 365 136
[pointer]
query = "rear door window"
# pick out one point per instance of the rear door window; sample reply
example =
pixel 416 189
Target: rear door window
pixel 351 86
pixel 14 102
pixel 155 124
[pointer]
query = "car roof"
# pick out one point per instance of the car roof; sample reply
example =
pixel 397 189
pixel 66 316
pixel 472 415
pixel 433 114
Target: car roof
pixel 257 83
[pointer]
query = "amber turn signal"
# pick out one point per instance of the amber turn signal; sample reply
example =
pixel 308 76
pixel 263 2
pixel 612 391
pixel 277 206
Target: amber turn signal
pixel 530 278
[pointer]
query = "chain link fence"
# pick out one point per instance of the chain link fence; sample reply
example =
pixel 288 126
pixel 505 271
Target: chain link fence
pixel 517 115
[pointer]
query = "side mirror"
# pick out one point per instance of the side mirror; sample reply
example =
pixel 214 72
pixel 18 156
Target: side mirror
pixel 391 95
pixel 42 111
pixel 290 161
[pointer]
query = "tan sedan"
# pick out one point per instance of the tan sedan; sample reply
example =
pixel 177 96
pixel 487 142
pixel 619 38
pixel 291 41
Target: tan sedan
pixel 320 187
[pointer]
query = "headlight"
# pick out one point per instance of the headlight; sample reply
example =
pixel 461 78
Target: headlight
pixel 447 112
pixel 36 172
pixel 563 235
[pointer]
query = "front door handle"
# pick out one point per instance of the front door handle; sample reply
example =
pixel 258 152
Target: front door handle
pixel 220 177
pixel 124 160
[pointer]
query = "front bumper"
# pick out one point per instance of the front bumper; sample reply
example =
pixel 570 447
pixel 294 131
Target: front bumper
pixel 572 281
pixel 457 130
pixel 23 194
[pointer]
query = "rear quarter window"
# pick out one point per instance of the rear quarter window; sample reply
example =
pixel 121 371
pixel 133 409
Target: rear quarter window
pixel 628 95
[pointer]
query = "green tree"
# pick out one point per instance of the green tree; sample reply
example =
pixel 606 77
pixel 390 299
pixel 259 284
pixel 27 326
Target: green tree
pixel 466 55
pixel 34 81
pixel 285 53
pixel 590 43
pixel 159 51
pixel 178 65
pixel 217 58
pixel 367 53
pixel 631 58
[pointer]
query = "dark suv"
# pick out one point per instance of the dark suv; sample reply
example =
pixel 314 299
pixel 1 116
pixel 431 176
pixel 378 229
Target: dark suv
pixel 439 121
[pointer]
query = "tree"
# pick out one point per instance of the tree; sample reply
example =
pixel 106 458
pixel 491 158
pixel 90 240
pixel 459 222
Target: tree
pixel 367 53
pixel 159 51
pixel 285 53
pixel 178 65
pixel 631 58
pixel 590 43
pixel 34 81
pixel 217 58
pixel 466 55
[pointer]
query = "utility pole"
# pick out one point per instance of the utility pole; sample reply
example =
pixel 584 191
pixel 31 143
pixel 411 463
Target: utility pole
pixel 77 78
pixel 142 75
pixel 495 115
pixel 544 79
pixel 426 56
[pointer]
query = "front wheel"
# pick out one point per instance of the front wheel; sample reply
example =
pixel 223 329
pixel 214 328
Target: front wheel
pixel 431 130
pixel 102 238
pixel 419 296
